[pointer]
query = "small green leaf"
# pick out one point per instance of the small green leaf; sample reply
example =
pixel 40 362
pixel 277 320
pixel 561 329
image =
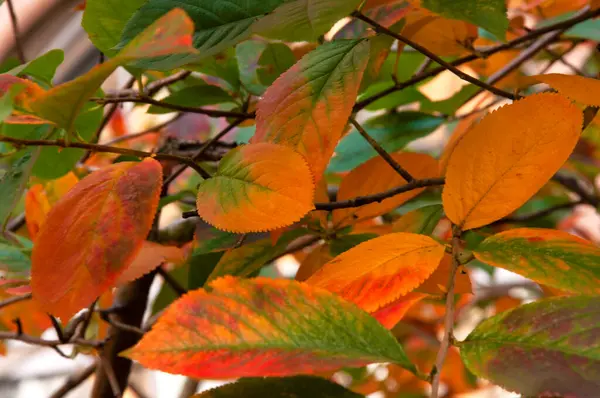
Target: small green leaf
pixel 420 221
pixel 547 348
pixel 347 242
pixel 43 68
pixel 489 14
pixel 392 131
pixel 292 387
pixel 12 259
pixel 13 182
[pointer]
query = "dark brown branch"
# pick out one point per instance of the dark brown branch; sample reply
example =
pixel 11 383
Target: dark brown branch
pixel 382 152
pixel 74 381
pixel 14 299
pixel 576 186
pixel 538 214
pixel 48 343
pixel 429 54
pixel 16 33
pixel 108 149
pixel 179 108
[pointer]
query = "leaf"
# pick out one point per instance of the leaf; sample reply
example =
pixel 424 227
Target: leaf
pixel 392 131
pixel 376 176
pixel 420 221
pixel 344 243
pixel 308 106
pixel 12 184
pixel 438 281
pixel 379 271
pixel 61 104
pixel 257 187
pixel 106 216
pixel 313 261
pixel 303 20
pixel 390 314
pixel 578 88
pixel 489 14
pixel 293 387
pixel 547 256
pixel 264 327
pixel 218 24
pixel 197 96
pixel 43 68
pixel 546 348
pixel 150 256
pixel 493 169
pixel 12 259
pixel 104 20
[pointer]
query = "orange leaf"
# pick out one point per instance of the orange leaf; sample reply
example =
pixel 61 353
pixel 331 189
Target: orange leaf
pixel 389 315
pixel 505 159
pixel 578 88
pixel 313 262
pixel 264 327
pixel 258 187
pixel 375 176
pixel 92 234
pixel 149 257
pixel 308 106
pixel 379 271
pixel 437 282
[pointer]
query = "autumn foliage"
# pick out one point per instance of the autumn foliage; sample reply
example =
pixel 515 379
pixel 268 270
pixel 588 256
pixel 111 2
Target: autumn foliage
pixel 313 111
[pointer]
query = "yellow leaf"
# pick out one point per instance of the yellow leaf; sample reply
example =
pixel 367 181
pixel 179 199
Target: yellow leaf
pixel 505 159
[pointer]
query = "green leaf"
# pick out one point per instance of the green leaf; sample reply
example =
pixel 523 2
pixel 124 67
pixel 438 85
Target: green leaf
pixel 489 14
pixel 274 387
pixel 551 257
pixel 12 259
pixel 199 95
pixel 223 65
pixel 392 131
pixel 43 68
pixel 218 24
pixel 264 327
pixel 275 59
pixel 420 221
pixel 13 182
pixel 260 63
pixel 304 20
pixel 347 242
pixel 104 21
pixel 547 348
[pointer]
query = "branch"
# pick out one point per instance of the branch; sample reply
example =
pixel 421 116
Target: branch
pixel 15 299
pixel 108 149
pixel 153 87
pixel 16 34
pixel 169 280
pixel 382 152
pixel 538 214
pixel 577 187
pixel 180 108
pixel 74 381
pixel 151 130
pixel 449 316
pixel 25 338
pixel 434 57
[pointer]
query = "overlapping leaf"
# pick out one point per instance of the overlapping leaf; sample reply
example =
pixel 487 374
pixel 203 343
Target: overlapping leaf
pixel 92 234
pixel 579 88
pixel 308 106
pixel 12 184
pixel 493 169
pixel 547 348
pixel 548 256
pixel 376 176
pixel 263 327
pixel 420 221
pixel 379 271
pixel 390 314
pixel 150 256
pixel 258 187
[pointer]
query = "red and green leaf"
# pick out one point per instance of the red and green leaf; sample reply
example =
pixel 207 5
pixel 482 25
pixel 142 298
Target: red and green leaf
pixel 547 348
pixel 264 327
pixel 92 234
pixel 554 258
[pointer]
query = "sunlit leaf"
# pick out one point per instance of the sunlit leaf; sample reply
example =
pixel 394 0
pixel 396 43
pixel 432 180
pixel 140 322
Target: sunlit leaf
pixel 390 314
pixel 548 256
pixel 437 283
pixel 258 187
pixel 303 20
pixel 379 271
pixel 376 176
pixel 547 348
pixel 579 88
pixel 318 257
pixel 308 106
pixel 293 387
pixel 493 169
pixel 150 256
pixel 263 327
pixel 106 216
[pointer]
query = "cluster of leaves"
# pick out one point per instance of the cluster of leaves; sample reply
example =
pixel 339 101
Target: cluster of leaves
pixel 384 261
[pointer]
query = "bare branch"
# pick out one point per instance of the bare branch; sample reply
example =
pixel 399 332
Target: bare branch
pixel 16 33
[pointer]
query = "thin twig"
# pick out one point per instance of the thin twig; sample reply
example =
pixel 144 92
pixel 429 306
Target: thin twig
pixel 382 152
pixel 169 280
pixel 74 381
pixel 111 376
pixel 47 343
pixel 538 214
pixel 449 315
pixel 107 317
pixel 108 149
pixel 16 33
pixel 150 130
pixel 429 54
pixel 15 299
pixel 151 88
pixel 180 108
pixel 573 184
